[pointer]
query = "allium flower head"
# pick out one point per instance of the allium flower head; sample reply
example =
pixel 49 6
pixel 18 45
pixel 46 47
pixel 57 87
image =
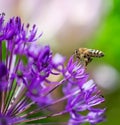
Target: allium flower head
pixel 26 90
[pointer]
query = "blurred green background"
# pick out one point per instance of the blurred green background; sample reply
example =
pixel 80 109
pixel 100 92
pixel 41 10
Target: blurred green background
pixel 107 39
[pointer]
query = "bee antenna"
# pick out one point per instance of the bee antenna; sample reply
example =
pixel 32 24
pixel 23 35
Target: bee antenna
pixel 73 53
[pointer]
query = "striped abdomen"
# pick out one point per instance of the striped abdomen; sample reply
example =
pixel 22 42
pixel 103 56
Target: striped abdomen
pixel 95 53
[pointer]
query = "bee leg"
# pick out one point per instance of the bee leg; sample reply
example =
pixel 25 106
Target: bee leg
pixel 78 57
pixel 87 60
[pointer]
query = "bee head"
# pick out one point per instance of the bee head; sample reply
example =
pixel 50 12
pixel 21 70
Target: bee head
pixel 76 52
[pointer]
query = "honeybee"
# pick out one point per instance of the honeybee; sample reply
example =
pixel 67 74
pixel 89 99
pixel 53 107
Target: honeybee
pixel 85 54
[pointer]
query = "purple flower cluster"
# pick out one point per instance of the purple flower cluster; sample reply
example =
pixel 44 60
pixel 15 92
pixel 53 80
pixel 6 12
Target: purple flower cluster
pixel 25 85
